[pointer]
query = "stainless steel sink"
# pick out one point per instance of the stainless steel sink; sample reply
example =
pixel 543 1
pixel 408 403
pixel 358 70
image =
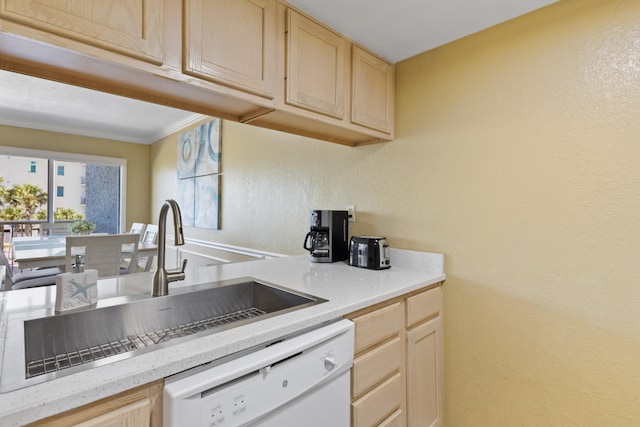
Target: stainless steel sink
pixel 41 349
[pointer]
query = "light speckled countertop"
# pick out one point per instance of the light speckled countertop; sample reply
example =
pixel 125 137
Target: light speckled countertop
pixel 346 288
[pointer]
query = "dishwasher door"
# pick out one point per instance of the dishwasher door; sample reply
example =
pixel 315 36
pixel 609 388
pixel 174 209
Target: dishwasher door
pixel 299 381
pixel 327 405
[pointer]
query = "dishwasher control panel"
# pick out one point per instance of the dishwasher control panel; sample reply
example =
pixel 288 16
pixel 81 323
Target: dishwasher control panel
pixel 308 372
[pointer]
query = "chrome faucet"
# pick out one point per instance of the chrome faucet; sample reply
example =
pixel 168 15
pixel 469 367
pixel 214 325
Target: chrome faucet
pixel 162 277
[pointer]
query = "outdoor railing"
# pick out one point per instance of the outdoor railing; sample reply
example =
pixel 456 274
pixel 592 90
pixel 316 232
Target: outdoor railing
pixel 20 228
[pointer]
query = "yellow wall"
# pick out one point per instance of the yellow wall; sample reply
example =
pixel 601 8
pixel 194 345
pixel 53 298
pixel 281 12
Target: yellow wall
pixel 138 176
pixel 270 182
pixel 525 140
pixel 517 156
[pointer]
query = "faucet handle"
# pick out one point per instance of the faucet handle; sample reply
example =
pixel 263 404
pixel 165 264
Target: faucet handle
pixel 184 265
pixel 175 275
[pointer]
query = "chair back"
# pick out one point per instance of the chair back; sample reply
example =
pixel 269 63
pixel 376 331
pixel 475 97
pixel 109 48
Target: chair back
pixel 150 234
pixel 138 228
pixel 103 252
pixel 54 228
pixel 151 237
pixel 6 271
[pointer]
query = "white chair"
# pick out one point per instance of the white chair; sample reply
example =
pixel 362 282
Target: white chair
pixel 28 278
pixel 150 234
pixel 103 253
pixel 138 228
pixel 34 278
pixel 54 228
pixel 7 270
pixel 150 237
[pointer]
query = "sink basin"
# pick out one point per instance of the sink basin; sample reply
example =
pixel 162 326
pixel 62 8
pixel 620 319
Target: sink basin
pixel 41 349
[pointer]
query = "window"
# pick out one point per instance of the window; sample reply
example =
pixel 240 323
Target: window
pixel 66 186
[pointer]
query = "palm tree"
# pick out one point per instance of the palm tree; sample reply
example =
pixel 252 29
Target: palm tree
pixel 3 190
pixel 28 197
pixel 40 215
pixel 12 213
pixel 67 213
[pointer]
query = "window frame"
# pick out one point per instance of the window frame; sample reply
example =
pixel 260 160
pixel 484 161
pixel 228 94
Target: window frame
pixel 52 156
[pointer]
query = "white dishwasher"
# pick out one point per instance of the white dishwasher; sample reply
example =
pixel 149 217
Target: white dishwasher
pixel 301 380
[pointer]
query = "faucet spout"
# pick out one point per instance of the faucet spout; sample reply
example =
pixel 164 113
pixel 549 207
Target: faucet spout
pixel 162 277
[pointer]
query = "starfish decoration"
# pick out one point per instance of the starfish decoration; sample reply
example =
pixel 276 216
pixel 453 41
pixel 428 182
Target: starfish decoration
pixel 80 288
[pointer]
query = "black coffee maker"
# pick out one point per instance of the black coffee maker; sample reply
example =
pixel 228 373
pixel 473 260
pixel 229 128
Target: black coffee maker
pixel 327 241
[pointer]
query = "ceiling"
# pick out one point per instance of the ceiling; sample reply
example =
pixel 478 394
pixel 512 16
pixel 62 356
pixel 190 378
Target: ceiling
pixel 399 29
pixel 34 103
pixel 395 30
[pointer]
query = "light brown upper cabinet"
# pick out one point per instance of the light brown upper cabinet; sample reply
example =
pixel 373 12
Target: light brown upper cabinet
pixel 130 27
pixel 316 58
pixel 232 42
pixel 372 91
pixel 260 62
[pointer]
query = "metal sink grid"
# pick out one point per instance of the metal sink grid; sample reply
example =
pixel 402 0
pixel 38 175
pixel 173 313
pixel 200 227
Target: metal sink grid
pixel 75 357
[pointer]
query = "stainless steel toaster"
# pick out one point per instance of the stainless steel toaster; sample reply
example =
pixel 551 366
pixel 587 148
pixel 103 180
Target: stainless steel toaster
pixel 370 252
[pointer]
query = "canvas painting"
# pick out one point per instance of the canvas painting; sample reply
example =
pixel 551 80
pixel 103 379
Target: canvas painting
pixel 198 170
pixel 186 200
pixel 199 151
pixel 187 154
pixel 206 205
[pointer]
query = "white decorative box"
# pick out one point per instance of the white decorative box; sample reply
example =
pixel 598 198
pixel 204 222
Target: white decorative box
pixel 76 290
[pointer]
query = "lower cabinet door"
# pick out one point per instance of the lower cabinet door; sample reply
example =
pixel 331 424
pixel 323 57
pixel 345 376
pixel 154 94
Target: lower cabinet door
pixel 424 375
pixel 138 407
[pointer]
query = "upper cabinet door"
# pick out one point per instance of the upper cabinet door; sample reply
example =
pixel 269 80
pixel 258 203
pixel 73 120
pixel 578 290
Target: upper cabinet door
pixel 130 27
pixel 372 91
pixel 315 68
pixel 232 42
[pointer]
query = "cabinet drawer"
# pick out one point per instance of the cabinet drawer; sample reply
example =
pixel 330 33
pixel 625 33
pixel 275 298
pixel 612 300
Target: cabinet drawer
pixel 136 414
pixel 377 326
pixel 375 365
pixel 377 405
pixel 395 420
pixel 423 306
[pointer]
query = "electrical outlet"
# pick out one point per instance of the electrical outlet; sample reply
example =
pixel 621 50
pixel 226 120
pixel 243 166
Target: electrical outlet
pixel 352 213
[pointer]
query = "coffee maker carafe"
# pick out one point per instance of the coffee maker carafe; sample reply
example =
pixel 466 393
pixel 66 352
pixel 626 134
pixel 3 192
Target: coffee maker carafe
pixel 327 240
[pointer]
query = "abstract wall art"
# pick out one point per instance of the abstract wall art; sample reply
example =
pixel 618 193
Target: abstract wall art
pixel 198 172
